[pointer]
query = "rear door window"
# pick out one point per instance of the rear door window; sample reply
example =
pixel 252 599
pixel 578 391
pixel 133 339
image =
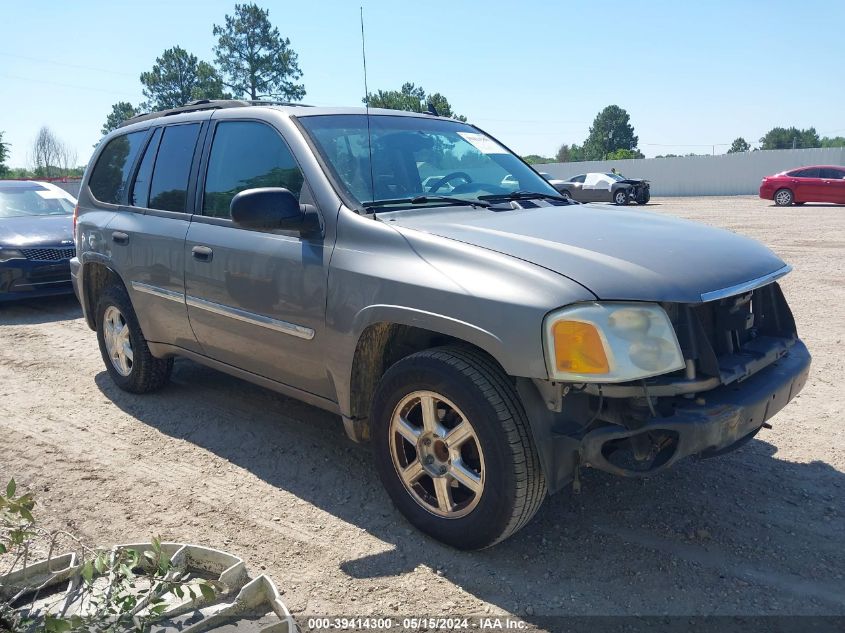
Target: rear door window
pixel 809 172
pixel 169 184
pixel 246 155
pixel 110 177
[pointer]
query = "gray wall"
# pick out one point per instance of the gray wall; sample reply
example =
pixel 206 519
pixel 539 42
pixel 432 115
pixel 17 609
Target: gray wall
pixel 71 186
pixel 723 175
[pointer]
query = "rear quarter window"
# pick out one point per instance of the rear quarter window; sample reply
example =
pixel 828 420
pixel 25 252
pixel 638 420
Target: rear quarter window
pixel 110 177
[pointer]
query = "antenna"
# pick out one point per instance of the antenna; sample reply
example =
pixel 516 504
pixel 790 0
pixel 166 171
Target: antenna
pixel 367 106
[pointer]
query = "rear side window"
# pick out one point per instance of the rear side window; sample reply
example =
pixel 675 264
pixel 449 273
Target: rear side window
pixel 246 155
pixel 580 178
pixel 110 177
pixel 169 185
pixel 140 194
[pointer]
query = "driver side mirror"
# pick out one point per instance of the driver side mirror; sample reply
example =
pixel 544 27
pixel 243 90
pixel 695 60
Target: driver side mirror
pixel 272 208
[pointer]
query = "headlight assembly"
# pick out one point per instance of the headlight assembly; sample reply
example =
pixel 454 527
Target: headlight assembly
pixel 7 254
pixel 610 342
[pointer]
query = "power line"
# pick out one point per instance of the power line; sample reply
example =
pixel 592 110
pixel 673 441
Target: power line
pixel 64 85
pixel 68 65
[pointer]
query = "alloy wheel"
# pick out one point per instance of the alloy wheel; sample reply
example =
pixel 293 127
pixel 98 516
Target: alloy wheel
pixel 437 454
pixel 117 340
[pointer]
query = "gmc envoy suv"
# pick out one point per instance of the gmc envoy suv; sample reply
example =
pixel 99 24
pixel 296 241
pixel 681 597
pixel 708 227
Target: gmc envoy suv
pixel 490 340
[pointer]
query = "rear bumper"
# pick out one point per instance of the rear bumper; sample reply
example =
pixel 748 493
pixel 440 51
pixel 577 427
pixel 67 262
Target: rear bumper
pixel 22 279
pixel 728 417
pixel 767 192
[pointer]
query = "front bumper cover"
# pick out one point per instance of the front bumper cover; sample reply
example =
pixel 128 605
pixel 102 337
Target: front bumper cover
pixel 24 279
pixel 728 417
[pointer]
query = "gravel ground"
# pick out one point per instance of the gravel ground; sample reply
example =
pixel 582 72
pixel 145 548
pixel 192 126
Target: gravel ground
pixel 220 462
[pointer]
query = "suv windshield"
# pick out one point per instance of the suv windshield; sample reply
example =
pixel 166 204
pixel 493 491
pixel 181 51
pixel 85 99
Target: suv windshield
pixel 416 159
pixel 23 201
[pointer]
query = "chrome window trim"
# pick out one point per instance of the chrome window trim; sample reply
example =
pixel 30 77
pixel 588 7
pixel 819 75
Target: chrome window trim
pixel 155 291
pixel 299 331
pixel 746 286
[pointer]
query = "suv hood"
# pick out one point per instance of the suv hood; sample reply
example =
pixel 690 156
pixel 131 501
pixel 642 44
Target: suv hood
pixel 616 254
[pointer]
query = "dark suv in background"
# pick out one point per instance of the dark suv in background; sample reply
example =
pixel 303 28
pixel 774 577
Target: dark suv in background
pixel 413 275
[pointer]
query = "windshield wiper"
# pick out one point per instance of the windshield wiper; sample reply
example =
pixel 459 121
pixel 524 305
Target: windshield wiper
pixel 425 200
pixel 525 195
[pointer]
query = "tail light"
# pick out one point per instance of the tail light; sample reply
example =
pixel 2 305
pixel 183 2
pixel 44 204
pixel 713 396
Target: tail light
pixel 75 217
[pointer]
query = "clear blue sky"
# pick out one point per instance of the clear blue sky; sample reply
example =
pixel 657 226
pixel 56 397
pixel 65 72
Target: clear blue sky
pixel 533 73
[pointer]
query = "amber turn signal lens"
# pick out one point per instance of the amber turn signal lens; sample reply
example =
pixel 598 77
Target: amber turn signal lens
pixel 578 348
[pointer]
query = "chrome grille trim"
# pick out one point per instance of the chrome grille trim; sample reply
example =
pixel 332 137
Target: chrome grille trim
pixel 747 286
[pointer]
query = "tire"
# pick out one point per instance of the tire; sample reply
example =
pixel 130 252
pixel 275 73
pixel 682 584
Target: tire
pixel 644 199
pixel 135 370
pixel 565 195
pixel 784 197
pixel 798 204
pixel 620 197
pixel 464 385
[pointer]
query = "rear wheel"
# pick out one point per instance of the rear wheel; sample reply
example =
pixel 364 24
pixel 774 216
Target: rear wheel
pixel 620 197
pixel 125 352
pixel 783 197
pixel 453 449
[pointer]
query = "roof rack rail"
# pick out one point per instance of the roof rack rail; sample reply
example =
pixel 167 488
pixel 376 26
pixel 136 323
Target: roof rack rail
pixel 205 104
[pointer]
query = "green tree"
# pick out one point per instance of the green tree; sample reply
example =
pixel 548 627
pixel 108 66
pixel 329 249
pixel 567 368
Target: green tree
pixel 120 112
pixel 789 138
pixel 4 154
pixel 570 153
pixel 836 141
pixel 611 131
pixel 256 61
pixel 176 78
pixel 624 154
pixel 412 99
pixel 739 145
pixel 536 159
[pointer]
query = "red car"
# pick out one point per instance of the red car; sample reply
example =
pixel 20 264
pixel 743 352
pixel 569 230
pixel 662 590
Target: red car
pixel 822 183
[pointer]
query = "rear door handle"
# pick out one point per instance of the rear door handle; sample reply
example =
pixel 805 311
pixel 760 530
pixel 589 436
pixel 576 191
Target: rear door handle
pixel 119 237
pixel 202 253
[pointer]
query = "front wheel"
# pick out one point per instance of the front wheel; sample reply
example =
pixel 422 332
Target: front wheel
pixel 453 449
pixel 566 195
pixel 783 197
pixel 125 352
pixel 620 197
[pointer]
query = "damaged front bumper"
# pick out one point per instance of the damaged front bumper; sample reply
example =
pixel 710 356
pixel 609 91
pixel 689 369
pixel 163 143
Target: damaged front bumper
pixel 716 423
pixel 680 424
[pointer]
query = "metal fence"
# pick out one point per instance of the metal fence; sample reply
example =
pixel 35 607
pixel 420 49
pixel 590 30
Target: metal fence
pixel 723 175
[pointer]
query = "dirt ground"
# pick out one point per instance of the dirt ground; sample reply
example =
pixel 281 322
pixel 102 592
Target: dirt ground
pixel 217 461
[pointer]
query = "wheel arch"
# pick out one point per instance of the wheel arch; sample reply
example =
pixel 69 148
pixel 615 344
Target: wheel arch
pixel 393 333
pixel 97 275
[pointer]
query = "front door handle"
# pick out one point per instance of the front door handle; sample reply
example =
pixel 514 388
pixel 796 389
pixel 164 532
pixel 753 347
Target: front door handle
pixel 202 253
pixel 119 237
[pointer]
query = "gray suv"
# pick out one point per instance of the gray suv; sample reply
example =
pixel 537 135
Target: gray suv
pixel 489 338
